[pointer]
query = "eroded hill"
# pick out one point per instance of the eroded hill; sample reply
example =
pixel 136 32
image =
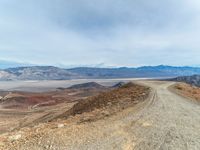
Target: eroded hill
pixel 91 109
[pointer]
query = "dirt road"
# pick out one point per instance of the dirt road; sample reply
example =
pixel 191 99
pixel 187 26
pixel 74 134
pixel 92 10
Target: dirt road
pixel 172 122
pixel 165 122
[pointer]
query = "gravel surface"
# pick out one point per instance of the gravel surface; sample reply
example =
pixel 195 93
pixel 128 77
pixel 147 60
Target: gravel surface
pixel 165 121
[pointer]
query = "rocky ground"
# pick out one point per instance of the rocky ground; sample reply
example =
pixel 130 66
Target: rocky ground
pixel 164 121
pixel 19 109
pixel 77 120
pixel 188 90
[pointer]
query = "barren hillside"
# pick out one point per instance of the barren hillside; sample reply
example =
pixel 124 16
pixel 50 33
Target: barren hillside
pixel 93 108
pixel 164 120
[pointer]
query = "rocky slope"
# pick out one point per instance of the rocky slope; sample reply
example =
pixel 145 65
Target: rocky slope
pixel 90 110
pixel 120 98
pixel 19 109
pixel 187 90
pixel 193 80
pixel 164 121
pixel 24 100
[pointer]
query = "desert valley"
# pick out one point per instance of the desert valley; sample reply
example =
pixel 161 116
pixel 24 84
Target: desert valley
pixel 99 75
pixel 127 113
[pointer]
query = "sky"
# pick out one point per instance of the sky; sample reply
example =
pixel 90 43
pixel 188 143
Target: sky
pixel 100 32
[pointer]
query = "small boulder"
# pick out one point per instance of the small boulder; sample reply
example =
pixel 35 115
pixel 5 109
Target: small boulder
pixel 60 125
pixel 15 137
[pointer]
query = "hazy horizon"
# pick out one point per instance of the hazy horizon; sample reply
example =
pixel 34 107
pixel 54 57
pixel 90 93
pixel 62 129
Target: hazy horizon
pixel 11 64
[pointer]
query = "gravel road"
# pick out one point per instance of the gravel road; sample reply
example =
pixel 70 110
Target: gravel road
pixel 170 123
pixel 164 122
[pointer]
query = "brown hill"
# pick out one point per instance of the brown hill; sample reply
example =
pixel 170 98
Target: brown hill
pixel 19 100
pixel 111 101
pixel 120 84
pixel 87 85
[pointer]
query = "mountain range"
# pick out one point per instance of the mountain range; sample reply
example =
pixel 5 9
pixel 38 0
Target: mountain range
pixel 55 73
pixel 192 80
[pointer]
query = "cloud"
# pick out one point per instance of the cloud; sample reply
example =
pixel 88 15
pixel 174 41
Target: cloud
pixel 113 32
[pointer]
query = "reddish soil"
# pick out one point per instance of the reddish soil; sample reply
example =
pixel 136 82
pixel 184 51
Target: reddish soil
pixel 187 90
pixel 20 109
pixel 37 123
pixel 111 101
pixel 24 100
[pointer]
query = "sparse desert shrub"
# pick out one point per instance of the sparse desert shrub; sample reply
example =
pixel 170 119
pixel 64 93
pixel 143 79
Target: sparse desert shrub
pixel 179 87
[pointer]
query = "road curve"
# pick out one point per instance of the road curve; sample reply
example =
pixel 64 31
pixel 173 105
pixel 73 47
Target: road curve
pixel 165 122
pixel 172 122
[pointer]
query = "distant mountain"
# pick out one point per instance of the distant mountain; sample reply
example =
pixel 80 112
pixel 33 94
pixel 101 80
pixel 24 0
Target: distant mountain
pixel 142 72
pixel 55 73
pixel 193 80
pixel 37 73
pixel 4 75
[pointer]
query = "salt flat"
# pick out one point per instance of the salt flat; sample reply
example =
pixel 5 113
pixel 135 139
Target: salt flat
pixel 50 85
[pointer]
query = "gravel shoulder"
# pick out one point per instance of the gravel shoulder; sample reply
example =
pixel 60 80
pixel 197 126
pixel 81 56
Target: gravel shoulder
pixel 187 91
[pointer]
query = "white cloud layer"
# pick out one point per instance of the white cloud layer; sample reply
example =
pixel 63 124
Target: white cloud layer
pixel 113 32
